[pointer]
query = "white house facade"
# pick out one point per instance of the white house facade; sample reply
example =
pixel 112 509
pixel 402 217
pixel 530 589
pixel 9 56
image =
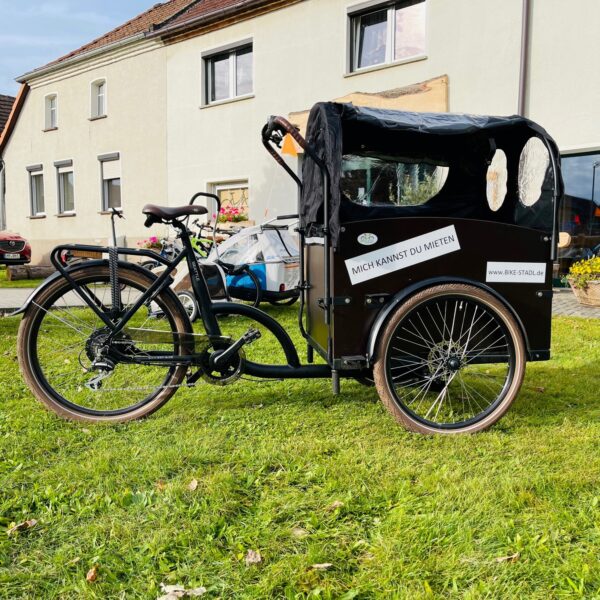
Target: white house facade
pixel 179 109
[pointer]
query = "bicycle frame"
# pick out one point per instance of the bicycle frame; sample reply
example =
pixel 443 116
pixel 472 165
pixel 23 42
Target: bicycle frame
pixel 209 311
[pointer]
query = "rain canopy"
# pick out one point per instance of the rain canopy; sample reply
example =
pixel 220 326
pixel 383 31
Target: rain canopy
pixel 386 163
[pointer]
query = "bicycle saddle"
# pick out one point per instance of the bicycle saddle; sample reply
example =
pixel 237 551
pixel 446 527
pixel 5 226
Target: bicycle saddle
pixel 169 213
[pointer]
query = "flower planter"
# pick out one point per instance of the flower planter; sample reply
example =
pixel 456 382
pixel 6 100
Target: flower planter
pixel 588 296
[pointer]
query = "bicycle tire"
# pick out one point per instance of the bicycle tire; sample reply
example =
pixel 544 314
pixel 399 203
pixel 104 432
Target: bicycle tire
pixel 29 350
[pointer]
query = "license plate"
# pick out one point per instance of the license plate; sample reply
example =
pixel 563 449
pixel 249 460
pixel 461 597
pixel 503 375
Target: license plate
pixel 10 256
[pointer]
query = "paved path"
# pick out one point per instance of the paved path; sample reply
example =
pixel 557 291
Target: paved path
pixel 564 303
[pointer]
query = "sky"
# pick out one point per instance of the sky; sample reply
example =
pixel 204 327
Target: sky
pixel 35 32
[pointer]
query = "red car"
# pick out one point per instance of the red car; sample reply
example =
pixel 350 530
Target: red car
pixel 14 250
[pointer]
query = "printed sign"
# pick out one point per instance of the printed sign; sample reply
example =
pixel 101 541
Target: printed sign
pixel 515 272
pixel 402 255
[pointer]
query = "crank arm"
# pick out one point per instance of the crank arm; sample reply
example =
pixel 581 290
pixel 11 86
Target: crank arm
pixel 250 336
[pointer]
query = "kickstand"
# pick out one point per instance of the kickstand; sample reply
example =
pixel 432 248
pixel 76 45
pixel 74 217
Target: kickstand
pixel 335 382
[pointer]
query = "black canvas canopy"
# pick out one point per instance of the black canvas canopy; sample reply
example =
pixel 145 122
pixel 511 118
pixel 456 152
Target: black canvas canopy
pixel 463 143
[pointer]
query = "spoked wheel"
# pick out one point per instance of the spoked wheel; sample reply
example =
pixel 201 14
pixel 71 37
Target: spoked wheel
pixel 61 338
pixel 189 303
pixel 450 360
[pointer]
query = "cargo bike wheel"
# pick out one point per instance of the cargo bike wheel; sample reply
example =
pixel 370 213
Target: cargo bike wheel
pixel 60 336
pixel 451 359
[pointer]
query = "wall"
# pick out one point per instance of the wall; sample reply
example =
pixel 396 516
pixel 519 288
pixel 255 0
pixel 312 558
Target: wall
pixel 299 59
pixel 135 127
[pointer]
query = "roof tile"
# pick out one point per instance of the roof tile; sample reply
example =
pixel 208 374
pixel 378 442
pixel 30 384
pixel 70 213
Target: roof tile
pixel 157 15
pixel 6 104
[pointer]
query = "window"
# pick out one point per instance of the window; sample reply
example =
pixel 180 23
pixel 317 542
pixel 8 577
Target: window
pixel 110 168
pixel 392 32
pixel 66 196
pixel 51 116
pixel 370 181
pixel 580 208
pixel 98 99
pixel 234 200
pixel 496 180
pixel 533 166
pixel 36 190
pixel 228 74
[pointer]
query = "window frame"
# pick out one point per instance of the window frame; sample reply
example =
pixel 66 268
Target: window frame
pixel 34 172
pixel 231 51
pixel 222 185
pixel 103 159
pixel 94 99
pixel 355 13
pixel 64 167
pixel 50 113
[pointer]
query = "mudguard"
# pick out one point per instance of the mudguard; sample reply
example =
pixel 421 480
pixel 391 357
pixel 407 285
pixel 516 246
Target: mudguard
pixel 417 287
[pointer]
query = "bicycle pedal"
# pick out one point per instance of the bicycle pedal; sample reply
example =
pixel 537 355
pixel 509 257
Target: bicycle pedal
pixel 251 335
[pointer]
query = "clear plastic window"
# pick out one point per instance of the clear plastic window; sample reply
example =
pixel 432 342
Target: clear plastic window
pixel 373 181
pixel 497 177
pixel 533 165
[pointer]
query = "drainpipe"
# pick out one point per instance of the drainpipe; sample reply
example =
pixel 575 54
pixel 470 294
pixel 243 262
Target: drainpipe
pixel 524 63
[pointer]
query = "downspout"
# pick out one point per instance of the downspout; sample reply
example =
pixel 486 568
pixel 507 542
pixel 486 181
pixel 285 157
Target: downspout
pixel 524 63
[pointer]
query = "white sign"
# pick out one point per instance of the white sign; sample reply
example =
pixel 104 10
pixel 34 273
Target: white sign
pixel 403 254
pixel 515 272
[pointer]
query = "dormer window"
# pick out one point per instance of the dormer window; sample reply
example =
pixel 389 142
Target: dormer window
pixel 98 99
pixel 51 112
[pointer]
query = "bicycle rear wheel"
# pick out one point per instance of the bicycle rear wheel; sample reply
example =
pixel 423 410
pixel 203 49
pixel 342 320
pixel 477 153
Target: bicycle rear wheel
pixel 60 335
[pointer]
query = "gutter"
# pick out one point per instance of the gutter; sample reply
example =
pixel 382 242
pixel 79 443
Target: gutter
pixel 51 68
pixel 524 59
pixel 211 17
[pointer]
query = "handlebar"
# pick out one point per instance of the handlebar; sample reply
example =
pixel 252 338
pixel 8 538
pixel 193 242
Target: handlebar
pixel 280 125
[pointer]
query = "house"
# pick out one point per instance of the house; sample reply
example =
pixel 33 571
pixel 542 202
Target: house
pixel 6 105
pixel 173 102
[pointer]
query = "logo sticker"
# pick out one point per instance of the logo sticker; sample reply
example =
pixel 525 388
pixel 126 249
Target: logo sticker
pixel 367 239
pixel 515 272
pixel 402 255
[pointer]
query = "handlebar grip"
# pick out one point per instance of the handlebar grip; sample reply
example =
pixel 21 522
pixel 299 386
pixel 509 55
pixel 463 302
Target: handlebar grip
pixel 284 217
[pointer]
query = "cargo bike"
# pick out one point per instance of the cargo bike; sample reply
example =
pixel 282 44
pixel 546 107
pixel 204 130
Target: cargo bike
pixel 426 248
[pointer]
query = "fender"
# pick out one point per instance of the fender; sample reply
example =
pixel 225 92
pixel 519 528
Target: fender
pixel 416 287
pixel 85 265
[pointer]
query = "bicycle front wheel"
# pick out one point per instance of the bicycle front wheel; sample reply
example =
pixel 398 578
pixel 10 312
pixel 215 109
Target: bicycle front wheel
pixel 450 360
pixel 60 336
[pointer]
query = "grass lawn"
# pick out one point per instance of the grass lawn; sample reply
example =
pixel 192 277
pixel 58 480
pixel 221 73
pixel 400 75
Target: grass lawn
pixel 20 283
pixel 306 478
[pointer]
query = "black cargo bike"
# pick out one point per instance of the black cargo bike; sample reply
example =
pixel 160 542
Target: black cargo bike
pixel 427 245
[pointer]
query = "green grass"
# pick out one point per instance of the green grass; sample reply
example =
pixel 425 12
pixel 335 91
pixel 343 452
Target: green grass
pixel 421 516
pixel 20 283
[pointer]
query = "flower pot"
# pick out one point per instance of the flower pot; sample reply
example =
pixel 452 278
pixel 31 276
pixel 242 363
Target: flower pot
pixel 588 296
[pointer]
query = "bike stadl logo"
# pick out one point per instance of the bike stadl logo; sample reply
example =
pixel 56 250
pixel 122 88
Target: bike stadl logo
pixel 367 239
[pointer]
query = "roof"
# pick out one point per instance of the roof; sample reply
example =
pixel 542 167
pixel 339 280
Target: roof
pixel 6 104
pixel 210 11
pixel 147 21
pixel 13 116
